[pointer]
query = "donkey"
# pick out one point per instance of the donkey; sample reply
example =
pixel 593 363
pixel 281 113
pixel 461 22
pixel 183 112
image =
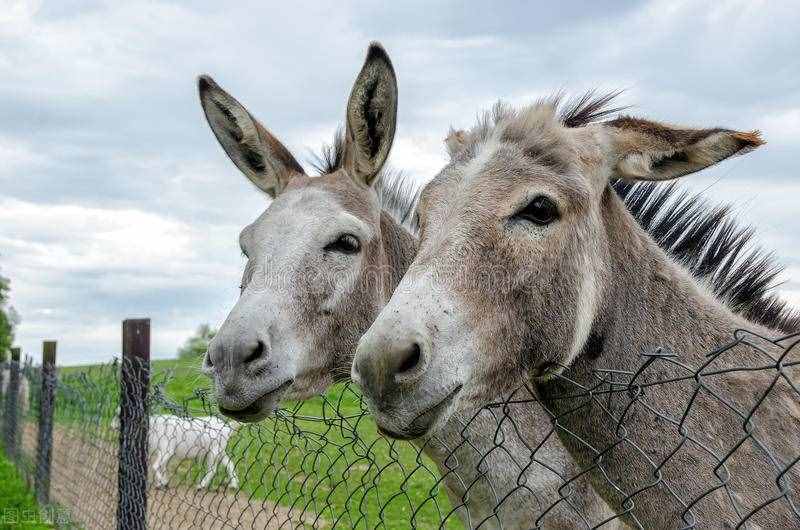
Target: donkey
pixel 321 262
pixel 531 268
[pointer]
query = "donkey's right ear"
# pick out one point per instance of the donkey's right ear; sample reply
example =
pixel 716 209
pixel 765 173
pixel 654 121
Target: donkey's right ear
pixel 371 116
pixel 257 154
pixel 648 150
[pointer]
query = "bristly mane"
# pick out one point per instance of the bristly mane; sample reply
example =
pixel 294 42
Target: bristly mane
pixel 706 240
pixel 398 193
pixel 713 247
pixel 588 108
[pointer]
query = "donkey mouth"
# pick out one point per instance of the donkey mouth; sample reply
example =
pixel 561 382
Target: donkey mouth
pixel 424 421
pixel 261 407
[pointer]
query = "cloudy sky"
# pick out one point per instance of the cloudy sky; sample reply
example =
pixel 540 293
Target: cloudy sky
pixel 116 201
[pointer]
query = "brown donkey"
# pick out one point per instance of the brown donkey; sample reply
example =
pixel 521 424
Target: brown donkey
pixel 321 262
pixel 531 267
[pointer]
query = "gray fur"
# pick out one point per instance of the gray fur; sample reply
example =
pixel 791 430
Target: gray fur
pixel 492 300
pixel 311 328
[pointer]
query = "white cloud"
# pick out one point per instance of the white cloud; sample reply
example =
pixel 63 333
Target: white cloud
pixel 17 155
pixel 17 14
pixel 97 53
pixel 77 272
pixel 421 157
pixel 79 238
pixel 116 201
pixel 782 127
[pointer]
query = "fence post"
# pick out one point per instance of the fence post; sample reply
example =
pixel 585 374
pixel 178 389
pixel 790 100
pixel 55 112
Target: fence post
pixel 133 425
pixel 44 446
pixel 11 412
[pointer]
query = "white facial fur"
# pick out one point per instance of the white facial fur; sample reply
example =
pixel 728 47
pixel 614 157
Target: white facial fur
pixel 284 246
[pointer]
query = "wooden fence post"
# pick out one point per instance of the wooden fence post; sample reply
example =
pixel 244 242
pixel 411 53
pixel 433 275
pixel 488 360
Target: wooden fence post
pixel 134 423
pixel 12 405
pixel 44 446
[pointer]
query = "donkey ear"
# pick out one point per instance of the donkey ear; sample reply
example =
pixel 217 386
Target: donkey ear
pixel 371 116
pixel 648 150
pixel 454 142
pixel 257 154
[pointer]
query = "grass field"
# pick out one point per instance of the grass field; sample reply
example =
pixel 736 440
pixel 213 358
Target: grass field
pixel 322 456
pixel 18 508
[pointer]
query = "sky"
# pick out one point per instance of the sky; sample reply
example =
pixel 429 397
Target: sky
pixel 116 200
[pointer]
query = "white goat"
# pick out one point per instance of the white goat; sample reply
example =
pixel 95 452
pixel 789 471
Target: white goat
pixel 204 438
pixel 24 394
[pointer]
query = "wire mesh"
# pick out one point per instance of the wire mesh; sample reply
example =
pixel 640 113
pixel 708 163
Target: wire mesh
pixel 672 444
pixel 320 463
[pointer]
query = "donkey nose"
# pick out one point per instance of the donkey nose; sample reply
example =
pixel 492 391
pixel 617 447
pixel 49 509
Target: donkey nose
pixel 385 362
pixel 226 355
pixel 257 353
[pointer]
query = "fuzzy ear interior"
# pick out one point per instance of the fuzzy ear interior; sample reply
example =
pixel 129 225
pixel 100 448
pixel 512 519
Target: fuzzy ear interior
pixel 264 160
pixel 371 116
pixel 647 150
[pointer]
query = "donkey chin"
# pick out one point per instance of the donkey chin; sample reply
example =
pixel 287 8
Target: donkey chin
pixel 256 408
pixel 400 423
pixel 310 382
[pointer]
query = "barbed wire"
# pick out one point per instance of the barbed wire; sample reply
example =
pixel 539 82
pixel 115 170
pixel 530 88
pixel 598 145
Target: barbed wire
pixel 321 464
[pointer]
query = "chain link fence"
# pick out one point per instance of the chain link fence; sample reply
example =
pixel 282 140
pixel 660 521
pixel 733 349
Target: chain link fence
pixel 320 463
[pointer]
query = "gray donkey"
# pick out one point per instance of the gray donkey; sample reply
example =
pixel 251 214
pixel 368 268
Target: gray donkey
pixel 321 261
pixel 531 267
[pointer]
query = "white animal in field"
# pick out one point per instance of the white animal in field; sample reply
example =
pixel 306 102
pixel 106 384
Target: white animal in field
pixel 204 439
pixel 24 390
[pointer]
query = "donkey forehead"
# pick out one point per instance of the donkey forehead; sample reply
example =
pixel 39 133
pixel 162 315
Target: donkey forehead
pixel 500 176
pixel 301 214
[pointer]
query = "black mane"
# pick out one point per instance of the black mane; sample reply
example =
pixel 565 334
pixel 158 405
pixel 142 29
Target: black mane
pixel 714 247
pixel 587 108
pixel 706 240
pixel 331 156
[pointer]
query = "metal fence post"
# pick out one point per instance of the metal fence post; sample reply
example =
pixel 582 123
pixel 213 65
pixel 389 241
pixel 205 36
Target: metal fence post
pixel 44 446
pixel 134 423
pixel 12 403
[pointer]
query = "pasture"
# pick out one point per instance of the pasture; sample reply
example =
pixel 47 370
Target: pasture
pixel 321 458
pixel 20 511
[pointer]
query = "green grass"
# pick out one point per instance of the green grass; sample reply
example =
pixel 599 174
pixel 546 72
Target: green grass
pixel 18 508
pixel 322 457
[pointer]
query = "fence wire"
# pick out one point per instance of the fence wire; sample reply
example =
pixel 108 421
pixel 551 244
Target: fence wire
pixel 641 436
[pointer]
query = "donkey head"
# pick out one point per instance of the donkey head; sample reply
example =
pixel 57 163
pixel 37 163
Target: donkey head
pixel 514 257
pixel 310 255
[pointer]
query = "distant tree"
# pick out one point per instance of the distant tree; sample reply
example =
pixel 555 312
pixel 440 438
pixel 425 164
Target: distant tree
pixel 8 319
pixel 197 344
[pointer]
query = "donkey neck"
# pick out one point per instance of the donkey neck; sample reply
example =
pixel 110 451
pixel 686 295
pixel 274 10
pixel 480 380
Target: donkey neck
pixel 651 301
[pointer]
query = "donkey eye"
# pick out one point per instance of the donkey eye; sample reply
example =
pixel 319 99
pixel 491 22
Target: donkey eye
pixel 541 211
pixel 346 244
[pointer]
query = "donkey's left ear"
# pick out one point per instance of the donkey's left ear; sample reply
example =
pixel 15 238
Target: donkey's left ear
pixel 256 152
pixel 371 116
pixel 646 150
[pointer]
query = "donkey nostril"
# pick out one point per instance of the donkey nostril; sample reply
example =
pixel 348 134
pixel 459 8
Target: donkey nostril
pixel 256 354
pixel 411 361
pixel 208 362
